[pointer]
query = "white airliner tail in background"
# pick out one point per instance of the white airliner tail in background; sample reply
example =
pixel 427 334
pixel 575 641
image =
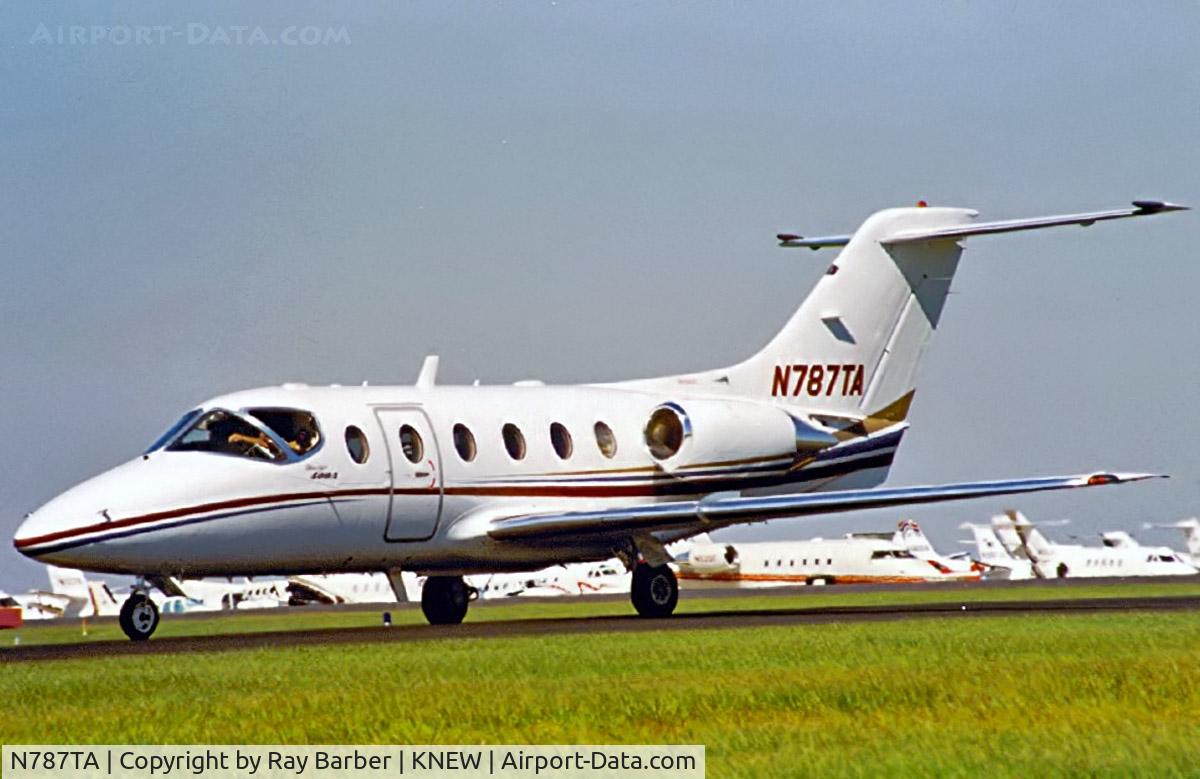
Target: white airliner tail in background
pixel 72 585
pixel 993 554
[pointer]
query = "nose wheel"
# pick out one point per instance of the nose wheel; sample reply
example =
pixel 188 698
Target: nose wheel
pixel 139 617
pixel 655 590
pixel 444 600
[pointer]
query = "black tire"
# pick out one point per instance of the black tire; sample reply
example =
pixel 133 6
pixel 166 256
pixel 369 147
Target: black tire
pixel 139 617
pixel 655 590
pixel 444 600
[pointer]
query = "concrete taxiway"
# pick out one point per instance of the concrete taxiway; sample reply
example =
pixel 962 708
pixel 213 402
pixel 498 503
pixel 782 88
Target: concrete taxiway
pixel 718 618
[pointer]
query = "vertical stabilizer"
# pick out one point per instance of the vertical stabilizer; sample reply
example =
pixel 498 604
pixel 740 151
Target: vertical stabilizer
pixel 71 584
pixel 989 548
pixel 853 347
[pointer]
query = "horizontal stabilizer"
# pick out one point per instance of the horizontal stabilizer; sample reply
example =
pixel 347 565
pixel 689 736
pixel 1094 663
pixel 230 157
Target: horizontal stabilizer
pixel 716 511
pixel 790 241
pixel 1140 208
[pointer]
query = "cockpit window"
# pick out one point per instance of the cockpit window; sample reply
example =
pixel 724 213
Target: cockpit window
pixel 902 554
pixel 298 429
pixel 173 430
pixel 223 432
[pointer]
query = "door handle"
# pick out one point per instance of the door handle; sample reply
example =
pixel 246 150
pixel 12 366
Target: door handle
pixel 421 474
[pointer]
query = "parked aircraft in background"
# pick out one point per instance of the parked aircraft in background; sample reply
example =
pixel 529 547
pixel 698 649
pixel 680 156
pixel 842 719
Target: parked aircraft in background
pixel 183 595
pixel 857 558
pixel 454 481
pixel 332 588
pixel 1119 555
pixel 910 536
pixel 70 595
pixel 87 598
pixel 1000 563
pixel 36 604
pixel 1191 537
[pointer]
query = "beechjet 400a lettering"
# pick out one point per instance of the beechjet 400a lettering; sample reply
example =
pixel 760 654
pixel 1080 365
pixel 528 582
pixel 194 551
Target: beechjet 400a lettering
pixel 447 481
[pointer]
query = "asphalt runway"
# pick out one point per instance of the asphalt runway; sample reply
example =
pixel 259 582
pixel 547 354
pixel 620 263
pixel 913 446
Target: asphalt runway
pixel 583 625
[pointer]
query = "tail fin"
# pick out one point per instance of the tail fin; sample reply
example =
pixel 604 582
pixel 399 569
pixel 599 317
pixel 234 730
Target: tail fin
pixel 73 585
pixel 1191 532
pixel 853 347
pixel 1036 545
pixel 910 536
pixel 104 604
pixel 1004 526
pixel 990 549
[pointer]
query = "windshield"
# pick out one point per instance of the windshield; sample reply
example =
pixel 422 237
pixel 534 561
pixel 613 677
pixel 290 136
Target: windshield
pixel 173 431
pixel 223 432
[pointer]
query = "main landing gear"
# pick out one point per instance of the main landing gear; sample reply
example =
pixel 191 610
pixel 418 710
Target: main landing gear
pixel 139 616
pixel 655 590
pixel 444 600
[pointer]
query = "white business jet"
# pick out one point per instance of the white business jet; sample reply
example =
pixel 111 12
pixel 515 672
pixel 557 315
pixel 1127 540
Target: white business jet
pixel 1119 555
pixel 447 481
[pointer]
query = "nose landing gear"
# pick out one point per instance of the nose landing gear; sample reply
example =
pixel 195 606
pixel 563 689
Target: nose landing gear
pixel 139 616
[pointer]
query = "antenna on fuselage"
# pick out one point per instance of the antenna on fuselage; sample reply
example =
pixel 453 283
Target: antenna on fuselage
pixel 428 375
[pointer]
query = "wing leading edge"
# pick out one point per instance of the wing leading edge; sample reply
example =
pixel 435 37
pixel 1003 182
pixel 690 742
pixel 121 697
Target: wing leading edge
pixel 716 511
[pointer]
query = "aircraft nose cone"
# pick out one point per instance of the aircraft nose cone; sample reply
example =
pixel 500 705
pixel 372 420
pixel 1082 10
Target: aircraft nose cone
pixel 36 533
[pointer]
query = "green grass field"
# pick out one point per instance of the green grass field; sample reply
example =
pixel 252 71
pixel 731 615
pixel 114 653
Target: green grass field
pixel 1115 695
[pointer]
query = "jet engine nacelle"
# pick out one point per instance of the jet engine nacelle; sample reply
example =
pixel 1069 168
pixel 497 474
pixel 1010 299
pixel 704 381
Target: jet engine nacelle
pixel 684 438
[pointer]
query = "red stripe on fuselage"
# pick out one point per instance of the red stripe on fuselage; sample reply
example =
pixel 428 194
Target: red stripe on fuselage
pixel 691 488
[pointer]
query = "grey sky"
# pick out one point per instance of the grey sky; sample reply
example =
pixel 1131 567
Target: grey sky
pixel 579 192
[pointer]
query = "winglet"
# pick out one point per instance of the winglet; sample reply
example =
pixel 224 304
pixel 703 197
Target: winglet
pixel 1157 206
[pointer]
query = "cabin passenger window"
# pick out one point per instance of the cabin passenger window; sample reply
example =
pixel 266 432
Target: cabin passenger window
pixel 605 440
pixel 514 441
pixel 464 442
pixel 224 432
pixel 560 438
pixel 356 445
pixel 411 444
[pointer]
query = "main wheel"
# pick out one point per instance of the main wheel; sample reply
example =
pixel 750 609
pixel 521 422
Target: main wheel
pixel 655 590
pixel 139 617
pixel 444 600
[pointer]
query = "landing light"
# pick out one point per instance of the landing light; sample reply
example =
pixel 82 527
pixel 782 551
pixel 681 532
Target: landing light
pixel 1101 478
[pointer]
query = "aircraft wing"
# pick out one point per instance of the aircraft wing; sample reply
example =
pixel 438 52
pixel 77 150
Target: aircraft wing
pixel 721 510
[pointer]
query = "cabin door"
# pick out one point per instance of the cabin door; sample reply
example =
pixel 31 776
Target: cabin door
pixel 415 464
